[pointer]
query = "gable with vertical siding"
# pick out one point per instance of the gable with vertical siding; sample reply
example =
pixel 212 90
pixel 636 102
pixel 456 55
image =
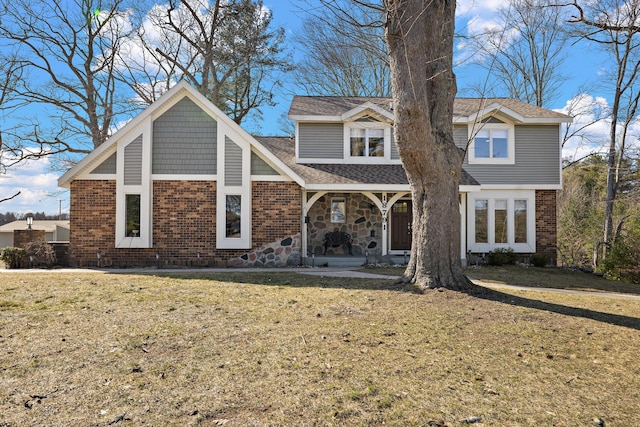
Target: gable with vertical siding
pixel 321 140
pixel 184 141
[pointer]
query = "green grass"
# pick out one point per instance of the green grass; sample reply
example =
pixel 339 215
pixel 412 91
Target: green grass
pixel 285 349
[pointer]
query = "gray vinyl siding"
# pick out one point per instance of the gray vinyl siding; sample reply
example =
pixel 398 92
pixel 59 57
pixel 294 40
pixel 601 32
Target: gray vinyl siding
pixel 184 141
pixel 537 157
pixel 260 167
pixel 133 162
pixel 232 163
pixel 394 148
pixel 321 140
pixel 108 166
pixel 460 135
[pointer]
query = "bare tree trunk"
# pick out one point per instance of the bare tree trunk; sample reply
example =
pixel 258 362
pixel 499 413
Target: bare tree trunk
pixel 420 39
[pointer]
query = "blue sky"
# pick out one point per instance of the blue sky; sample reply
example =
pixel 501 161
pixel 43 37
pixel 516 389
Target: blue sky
pixel 38 183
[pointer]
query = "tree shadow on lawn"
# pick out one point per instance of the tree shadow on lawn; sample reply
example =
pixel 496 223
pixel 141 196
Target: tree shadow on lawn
pixel 294 279
pixel 612 319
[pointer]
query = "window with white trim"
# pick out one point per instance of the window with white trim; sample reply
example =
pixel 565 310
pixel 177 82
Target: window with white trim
pixel 501 219
pixel 132 215
pixel 492 144
pixel 367 141
pixel 233 221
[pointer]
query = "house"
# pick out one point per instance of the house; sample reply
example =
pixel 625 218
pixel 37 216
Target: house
pixel 51 230
pixel 182 184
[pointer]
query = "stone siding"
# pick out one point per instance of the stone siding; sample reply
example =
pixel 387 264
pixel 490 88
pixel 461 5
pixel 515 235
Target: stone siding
pixel 363 222
pixel 184 224
pixel 283 253
pixel 546 225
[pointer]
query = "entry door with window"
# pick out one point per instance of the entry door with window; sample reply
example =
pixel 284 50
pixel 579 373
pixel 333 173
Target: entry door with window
pixel 401 220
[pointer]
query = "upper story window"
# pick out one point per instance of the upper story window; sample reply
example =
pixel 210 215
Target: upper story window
pixel 367 141
pixel 492 144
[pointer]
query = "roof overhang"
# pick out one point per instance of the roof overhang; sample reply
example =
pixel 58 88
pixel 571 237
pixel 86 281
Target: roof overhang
pixel 366 108
pixel 497 109
pixel 177 92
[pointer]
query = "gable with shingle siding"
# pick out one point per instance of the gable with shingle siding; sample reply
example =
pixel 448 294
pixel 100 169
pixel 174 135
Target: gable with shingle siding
pixel 184 141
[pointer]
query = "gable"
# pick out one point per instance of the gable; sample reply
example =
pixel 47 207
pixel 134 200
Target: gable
pixel 184 140
pixel 260 166
pixel 106 167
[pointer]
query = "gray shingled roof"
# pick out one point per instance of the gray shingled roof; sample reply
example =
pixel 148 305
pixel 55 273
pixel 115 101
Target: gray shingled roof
pixel 321 173
pixel 462 107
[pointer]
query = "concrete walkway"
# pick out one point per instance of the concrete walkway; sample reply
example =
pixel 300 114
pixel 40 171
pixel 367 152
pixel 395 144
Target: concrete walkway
pixel 314 271
pixel 616 295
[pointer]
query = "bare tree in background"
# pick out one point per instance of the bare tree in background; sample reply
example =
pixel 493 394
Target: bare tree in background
pixel 67 53
pixel 10 74
pixel 614 26
pixel 524 54
pixel 343 58
pixel 226 50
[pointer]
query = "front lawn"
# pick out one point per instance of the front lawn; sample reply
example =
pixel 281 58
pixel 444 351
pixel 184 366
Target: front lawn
pixel 286 349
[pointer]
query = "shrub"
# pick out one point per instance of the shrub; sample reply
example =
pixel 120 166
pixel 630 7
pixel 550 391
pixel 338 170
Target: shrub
pixel 14 257
pixel 621 262
pixel 538 260
pixel 502 257
pixel 43 254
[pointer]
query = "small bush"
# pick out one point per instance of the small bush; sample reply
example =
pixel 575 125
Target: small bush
pixel 502 257
pixel 538 260
pixel 14 257
pixel 43 254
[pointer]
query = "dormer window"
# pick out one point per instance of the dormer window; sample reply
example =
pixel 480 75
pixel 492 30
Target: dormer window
pixel 368 141
pixel 493 143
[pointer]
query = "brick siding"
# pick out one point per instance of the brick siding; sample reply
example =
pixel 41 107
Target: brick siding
pixel 546 225
pixel 184 223
pixel 21 238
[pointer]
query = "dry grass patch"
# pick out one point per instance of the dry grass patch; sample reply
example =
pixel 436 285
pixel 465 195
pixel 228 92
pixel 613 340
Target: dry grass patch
pixel 287 349
pixel 535 277
pixel 558 278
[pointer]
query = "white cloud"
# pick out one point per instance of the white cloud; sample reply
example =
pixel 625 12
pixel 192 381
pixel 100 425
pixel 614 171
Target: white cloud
pixel 479 20
pixel 469 7
pixel 591 127
pixel 38 189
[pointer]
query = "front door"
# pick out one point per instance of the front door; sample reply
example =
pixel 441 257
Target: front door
pixel 401 220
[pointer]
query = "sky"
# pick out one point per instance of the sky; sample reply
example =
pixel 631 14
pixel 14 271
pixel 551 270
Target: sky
pixel 37 182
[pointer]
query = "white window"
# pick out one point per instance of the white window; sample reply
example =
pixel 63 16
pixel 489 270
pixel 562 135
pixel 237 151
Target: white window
pixel 133 224
pixel 233 216
pixel 501 219
pixel 132 215
pixel 367 142
pixel 233 227
pixel 493 144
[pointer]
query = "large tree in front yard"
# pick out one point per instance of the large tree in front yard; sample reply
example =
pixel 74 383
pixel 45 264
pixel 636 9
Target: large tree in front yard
pixel 419 35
